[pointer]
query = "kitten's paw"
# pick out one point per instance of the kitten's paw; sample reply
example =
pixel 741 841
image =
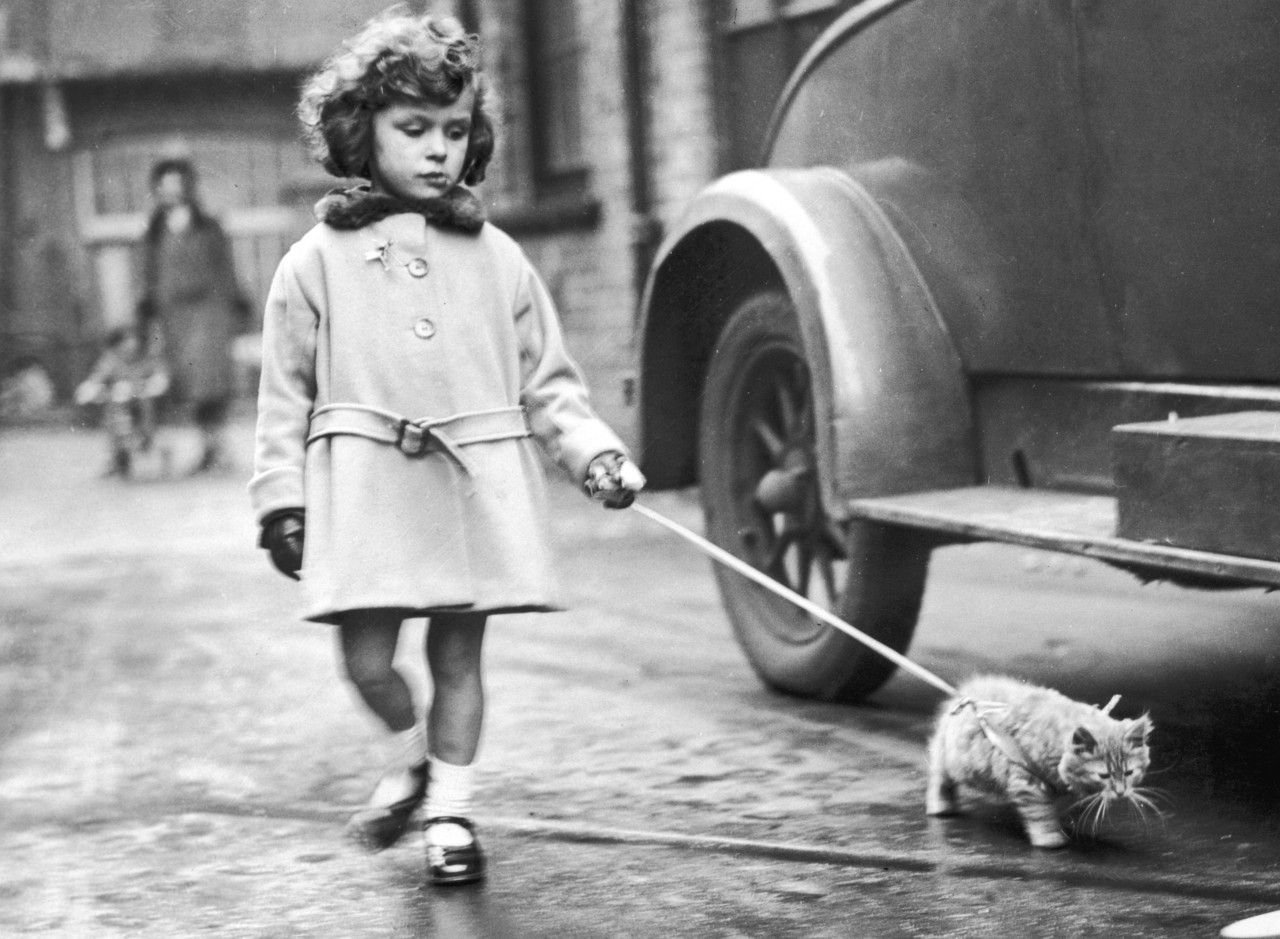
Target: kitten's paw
pixel 1048 839
pixel 940 796
pixel 939 806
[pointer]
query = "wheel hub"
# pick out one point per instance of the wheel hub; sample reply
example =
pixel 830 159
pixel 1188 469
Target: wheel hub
pixel 784 489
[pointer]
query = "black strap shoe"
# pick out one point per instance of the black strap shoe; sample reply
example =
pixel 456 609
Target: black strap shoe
pixel 448 865
pixel 379 825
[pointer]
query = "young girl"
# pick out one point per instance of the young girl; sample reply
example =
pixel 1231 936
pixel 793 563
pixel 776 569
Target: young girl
pixel 410 353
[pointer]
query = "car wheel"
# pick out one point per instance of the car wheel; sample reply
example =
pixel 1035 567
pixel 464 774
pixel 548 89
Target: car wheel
pixel 760 492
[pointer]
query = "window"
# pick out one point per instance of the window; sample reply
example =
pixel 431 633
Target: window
pixel 759 42
pixel 555 65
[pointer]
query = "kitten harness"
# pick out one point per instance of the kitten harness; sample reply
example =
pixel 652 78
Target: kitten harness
pixel 1006 744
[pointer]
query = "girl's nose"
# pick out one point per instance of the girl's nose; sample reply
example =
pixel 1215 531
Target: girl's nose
pixel 435 144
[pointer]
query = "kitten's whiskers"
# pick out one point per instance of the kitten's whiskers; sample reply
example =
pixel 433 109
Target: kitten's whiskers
pixel 1092 809
pixel 1147 808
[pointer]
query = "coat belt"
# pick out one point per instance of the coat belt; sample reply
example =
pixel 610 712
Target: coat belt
pixel 423 435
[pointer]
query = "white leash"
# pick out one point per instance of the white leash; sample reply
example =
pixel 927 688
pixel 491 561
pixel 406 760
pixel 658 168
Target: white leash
pixel 999 738
pixel 764 580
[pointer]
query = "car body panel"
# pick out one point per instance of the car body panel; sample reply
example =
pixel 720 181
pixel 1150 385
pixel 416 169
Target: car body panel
pixel 1122 156
pixel 901 425
pixel 1182 107
pixel 981 97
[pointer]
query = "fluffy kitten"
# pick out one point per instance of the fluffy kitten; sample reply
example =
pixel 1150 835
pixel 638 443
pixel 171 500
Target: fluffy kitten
pixel 1073 756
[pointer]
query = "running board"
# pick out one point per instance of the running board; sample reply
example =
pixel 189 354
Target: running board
pixel 1055 521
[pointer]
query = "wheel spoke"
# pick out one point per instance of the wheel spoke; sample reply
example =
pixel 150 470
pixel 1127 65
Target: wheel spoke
pixel 806 411
pixel 774 566
pixel 799 385
pixel 788 408
pixel 827 568
pixel 833 542
pixel 768 437
pixel 806 569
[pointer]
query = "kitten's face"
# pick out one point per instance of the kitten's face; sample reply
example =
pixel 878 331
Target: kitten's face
pixel 1113 765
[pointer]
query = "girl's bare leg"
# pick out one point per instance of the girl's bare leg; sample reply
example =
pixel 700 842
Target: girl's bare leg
pixel 456 716
pixel 368 642
pixel 454 643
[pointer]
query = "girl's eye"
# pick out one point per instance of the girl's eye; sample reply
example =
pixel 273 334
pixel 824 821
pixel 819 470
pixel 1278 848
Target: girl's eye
pixel 457 133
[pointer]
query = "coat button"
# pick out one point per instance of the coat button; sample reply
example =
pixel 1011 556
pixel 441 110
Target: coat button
pixel 424 328
pixel 418 267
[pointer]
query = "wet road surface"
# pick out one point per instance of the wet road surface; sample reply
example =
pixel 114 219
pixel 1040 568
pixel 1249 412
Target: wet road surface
pixel 177 756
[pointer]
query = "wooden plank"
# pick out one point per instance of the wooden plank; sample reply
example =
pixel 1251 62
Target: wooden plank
pixel 1055 521
pixel 1207 483
pixel 983 511
pixel 1261 426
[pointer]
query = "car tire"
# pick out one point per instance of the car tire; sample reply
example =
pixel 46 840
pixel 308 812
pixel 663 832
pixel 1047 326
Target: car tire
pixel 761 497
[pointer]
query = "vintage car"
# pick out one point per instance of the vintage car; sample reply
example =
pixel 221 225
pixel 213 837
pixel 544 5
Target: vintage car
pixel 1009 270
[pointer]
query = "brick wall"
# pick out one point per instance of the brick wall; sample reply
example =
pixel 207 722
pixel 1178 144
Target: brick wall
pixel 589 270
pixel 682 106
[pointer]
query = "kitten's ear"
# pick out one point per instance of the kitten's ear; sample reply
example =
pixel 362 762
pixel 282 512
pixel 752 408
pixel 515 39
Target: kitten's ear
pixel 1083 741
pixel 1138 731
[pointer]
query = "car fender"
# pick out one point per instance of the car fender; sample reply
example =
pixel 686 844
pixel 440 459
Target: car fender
pixel 891 401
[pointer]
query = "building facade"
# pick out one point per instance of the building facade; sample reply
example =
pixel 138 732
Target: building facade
pixel 612 114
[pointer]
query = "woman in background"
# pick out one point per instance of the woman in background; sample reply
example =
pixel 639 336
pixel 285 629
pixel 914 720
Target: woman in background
pixel 192 306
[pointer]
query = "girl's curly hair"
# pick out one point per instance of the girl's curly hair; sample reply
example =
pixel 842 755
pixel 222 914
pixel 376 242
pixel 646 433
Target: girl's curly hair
pixel 396 56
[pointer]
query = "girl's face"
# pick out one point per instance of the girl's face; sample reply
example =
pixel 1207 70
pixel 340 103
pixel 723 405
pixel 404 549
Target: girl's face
pixel 419 149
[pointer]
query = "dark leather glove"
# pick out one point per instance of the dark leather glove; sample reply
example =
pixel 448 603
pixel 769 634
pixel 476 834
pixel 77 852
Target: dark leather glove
pixel 614 480
pixel 282 536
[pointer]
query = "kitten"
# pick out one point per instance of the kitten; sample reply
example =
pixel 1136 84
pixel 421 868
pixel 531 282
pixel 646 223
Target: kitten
pixel 1073 756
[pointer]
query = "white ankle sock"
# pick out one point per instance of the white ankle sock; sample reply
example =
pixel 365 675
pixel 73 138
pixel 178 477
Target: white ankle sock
pixel 449 791
pixel 405 749
pixel 409 747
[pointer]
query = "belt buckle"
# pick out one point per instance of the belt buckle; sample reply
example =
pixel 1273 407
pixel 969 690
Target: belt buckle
pixel 412 439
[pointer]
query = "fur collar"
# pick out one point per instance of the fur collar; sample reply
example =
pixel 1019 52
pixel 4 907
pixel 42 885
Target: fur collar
pixel 349 209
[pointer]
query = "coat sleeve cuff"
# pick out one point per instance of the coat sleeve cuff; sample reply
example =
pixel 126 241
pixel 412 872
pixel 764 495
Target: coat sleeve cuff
pixel 583 444
pixel 276 489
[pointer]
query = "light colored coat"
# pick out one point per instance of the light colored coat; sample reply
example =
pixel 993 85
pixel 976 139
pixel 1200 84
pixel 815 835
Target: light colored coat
pixel 417 534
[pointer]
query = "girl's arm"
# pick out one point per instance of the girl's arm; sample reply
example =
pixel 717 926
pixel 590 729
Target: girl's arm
pixel 554 393
pixel 286 394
